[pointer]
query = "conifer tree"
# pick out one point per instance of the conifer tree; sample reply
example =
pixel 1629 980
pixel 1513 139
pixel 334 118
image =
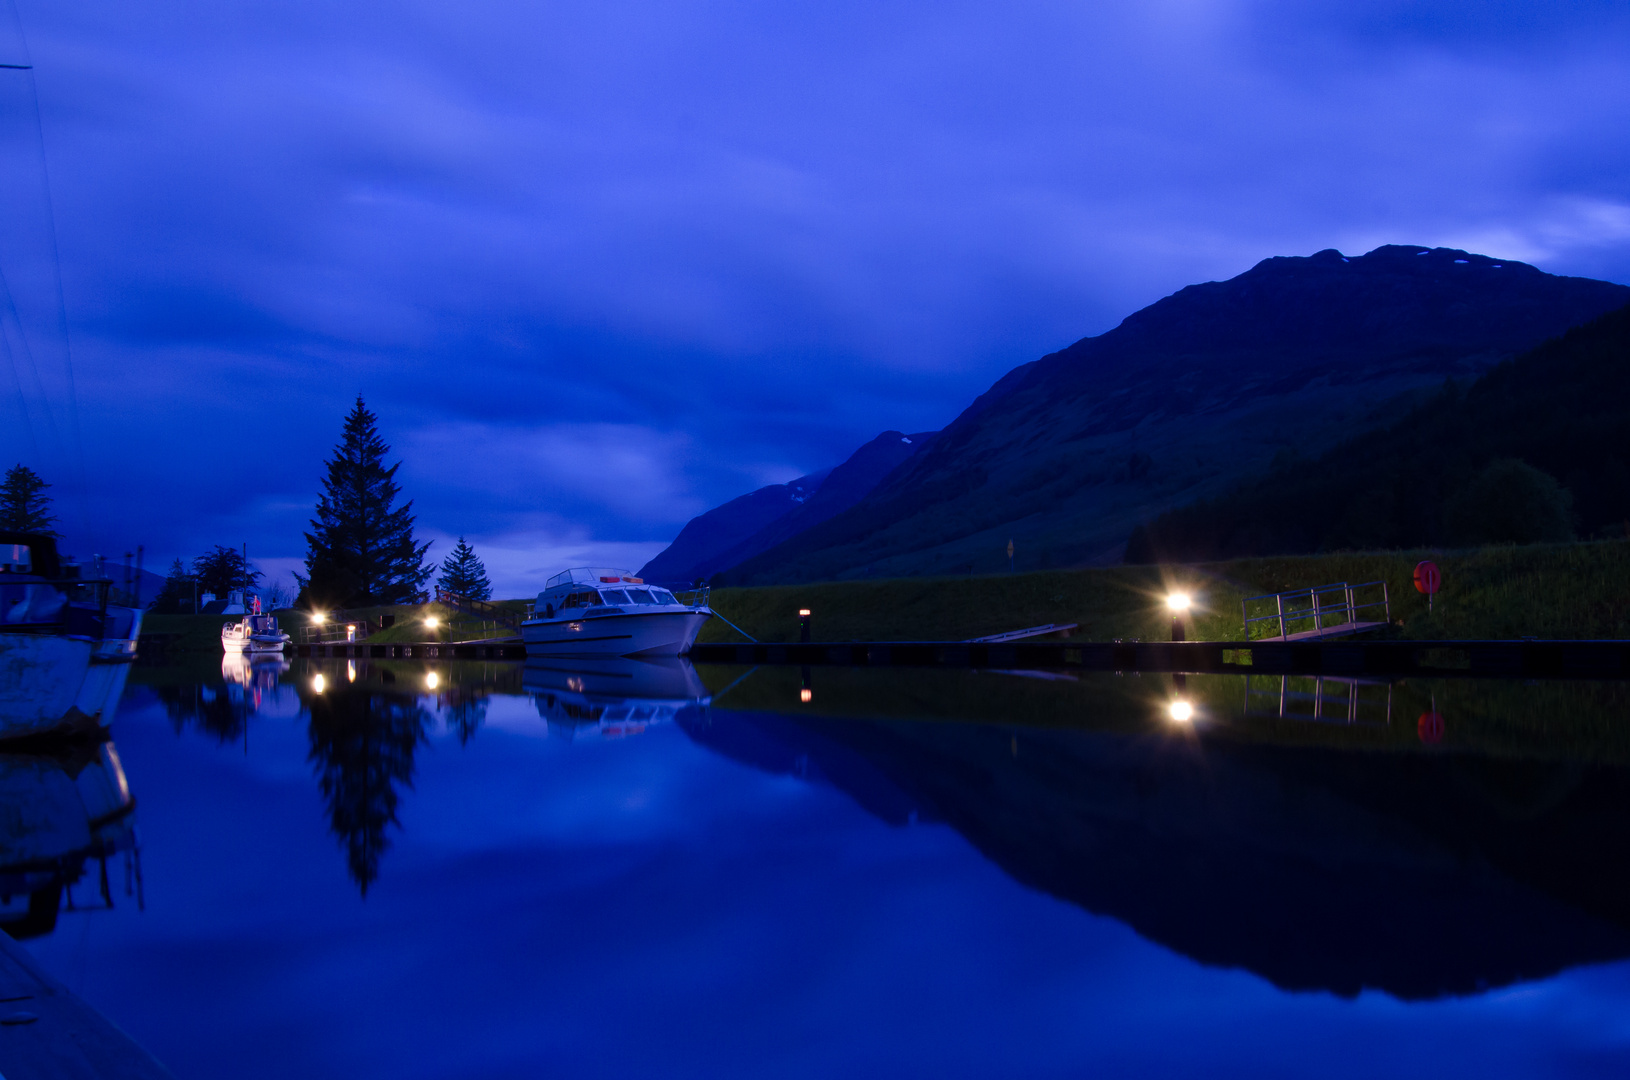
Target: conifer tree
pixel 462 573
pixel 24 506
pixel 221 570
pixel 361 550
pixel 176 595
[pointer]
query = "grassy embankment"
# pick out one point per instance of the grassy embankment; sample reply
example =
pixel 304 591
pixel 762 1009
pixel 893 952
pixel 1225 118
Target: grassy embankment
pixel 1543 590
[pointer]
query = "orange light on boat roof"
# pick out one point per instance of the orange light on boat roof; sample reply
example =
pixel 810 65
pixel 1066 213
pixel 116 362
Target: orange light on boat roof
pixel 635 580
pixel 609 580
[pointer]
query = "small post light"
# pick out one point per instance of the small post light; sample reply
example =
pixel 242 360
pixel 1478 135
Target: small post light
pixel 806 695
pixel 350 631
pixel 803 627
pixel 1178 603
pixel 1182 712
pixel 318 683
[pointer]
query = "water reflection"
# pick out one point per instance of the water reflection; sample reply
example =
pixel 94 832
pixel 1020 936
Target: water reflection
pixel 1311 832
pixel 61 814
pixel 613 698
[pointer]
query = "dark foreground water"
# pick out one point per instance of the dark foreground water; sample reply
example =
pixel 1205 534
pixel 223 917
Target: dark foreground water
pixel 491 871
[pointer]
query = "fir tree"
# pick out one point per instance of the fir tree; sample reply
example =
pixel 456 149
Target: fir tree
pixel 221 570
pixel 463 574
pixel 360 550
pixel 176 594
pixel 24 506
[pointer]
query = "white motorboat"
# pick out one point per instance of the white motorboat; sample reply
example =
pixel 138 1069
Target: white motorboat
pixel 254 634
pixel 593 611
pixel 64 649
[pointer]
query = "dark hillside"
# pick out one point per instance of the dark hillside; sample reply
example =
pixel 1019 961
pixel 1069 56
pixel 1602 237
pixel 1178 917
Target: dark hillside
pixel 1446 473
pixel 1182 401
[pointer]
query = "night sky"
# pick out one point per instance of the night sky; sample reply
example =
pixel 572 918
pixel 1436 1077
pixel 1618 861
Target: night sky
pixel 599 267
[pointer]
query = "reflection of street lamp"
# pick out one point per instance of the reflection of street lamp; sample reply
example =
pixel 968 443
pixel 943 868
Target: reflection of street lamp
pixel 318 683
pixel 432 680
pixel 1178 603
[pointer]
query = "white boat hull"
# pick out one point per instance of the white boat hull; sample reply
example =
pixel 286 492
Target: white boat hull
pixel 50 683
pixel 635 633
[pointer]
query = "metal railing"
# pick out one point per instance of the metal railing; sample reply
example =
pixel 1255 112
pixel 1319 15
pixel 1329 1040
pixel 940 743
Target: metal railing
pixel 1331 699
pixel 1323 603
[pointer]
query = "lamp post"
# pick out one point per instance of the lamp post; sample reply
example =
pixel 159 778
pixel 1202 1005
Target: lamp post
pixel 803 625
pixel 1178 603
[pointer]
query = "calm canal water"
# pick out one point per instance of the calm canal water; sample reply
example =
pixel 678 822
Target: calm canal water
pixel 410 870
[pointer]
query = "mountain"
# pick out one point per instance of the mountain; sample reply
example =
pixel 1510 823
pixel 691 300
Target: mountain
pixel 1448 472
pixel 1182 401
pixel 744 527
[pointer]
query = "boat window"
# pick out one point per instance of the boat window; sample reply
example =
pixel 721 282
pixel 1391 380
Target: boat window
pixel 587 598
pixel 663 596
pixel 614 596
pixel 640 596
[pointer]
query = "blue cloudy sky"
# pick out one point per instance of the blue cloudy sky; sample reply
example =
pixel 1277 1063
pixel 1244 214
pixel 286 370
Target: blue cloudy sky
pixel 599 267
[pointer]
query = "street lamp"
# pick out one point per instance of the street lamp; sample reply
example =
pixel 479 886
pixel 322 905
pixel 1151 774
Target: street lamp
pixel 1178 603
pixel 1182 711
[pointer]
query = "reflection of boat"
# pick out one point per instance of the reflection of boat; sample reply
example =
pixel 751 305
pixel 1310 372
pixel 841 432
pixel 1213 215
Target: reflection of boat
pixel 600 612
pixel 56 816
pixel 253 634
pixel 612 698
pixel 64 650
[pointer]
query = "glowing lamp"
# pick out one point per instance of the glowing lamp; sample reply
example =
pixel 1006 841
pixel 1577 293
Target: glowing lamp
pixel 1178 601
pixel 803 613
pixel 350 671
pixel 318 683
pixel 806 696
pixel 1182 711
pixel 432 680
pixel 319 617
pixel 432 621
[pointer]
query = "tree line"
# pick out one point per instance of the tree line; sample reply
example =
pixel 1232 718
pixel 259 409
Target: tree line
pixel 361 550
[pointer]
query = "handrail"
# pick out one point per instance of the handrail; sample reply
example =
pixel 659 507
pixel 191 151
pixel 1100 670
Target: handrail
pixel 1348 608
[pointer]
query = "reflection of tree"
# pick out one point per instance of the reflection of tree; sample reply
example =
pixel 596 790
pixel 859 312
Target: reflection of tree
pixel 214 709
pixel 465 713
pixel 363 745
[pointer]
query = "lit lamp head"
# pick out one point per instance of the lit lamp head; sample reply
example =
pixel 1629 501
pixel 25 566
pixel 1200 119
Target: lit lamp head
pixel 319 617
pixel 806 695
pixel 432 621
pixel 1182 711
pixel 1178 602
pixel 803 613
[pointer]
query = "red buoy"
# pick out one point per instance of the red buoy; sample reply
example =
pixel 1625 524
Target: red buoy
pixel 1430 727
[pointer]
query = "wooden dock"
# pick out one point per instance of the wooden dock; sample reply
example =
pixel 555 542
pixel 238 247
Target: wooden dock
pixel 46 1033
pixel 1524 659
pixel 420 650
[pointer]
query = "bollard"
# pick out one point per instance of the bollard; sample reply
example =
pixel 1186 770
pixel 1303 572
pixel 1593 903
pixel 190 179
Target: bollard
pixel 803 625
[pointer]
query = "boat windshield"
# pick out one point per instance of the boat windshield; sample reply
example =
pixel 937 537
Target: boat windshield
pixel 614 596
pixel 640 596
pixel 663 596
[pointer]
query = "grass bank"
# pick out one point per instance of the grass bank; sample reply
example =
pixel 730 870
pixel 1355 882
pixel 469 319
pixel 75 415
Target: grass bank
pixel 1579 590
pixel 202 633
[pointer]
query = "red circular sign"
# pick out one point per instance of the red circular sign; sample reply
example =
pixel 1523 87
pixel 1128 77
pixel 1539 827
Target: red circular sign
pixel 1427 577
pixel 1430 727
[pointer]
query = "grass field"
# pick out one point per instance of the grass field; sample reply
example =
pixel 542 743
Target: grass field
pixel 1579 590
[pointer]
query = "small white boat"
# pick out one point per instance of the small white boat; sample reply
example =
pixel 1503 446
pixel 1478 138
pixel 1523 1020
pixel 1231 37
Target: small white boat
pixel 253 634
pixel 592 611
pixel 64 649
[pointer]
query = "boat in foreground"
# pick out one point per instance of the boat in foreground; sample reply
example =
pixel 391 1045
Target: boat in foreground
pixel 594 611
pixel 64 649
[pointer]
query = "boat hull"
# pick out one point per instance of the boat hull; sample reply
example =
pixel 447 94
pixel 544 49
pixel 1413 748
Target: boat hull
pixel 645 633
pixel 52 684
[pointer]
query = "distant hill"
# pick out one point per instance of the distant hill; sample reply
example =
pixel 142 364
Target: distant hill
pixel 743 527
pixel 1563 409
pixel 1182 401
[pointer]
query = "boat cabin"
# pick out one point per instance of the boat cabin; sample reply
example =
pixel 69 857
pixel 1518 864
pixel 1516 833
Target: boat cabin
pixel 597 587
